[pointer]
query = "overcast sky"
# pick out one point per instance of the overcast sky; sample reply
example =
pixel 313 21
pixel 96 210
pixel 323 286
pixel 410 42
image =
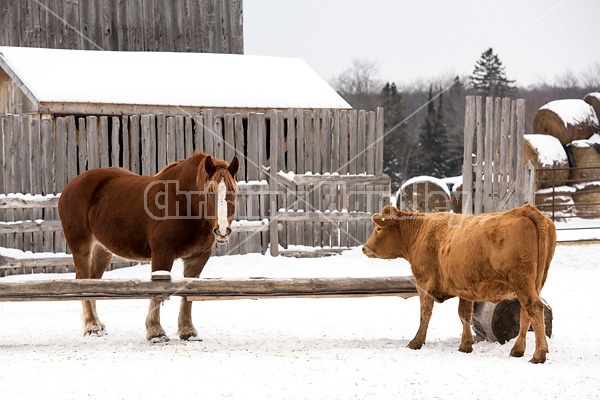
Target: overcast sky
pixel 535 39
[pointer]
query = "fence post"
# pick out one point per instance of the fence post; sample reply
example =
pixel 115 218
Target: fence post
pixel 467 197
pixel 274 148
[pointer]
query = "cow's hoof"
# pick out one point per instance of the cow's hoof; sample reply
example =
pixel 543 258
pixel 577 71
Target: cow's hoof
pixel 95 330
pixel 162 338
pixel 466 349
pixel 415 344
pixel 540 359
pixel 516 352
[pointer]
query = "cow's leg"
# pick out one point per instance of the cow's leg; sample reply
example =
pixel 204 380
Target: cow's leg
pixel 465 312
pixel 192 267
pixel 426 309
pixel 531 303
pixel 91 263
pixel 161 261
pixel 518 349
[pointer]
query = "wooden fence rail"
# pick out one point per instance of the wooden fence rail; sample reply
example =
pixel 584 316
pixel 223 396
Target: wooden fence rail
pixel 206 289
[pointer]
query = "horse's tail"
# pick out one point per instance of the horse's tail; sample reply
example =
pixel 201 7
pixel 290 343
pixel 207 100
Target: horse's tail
pixel 546 235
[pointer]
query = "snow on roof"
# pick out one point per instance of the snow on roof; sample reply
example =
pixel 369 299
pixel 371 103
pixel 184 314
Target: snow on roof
pixel 549 149
pixel 572 111
pixel 430 179
pixel 595 138
pixel 175 79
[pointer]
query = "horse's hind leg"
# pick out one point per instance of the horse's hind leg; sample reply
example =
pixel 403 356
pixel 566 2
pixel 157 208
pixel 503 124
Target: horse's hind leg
pixel 91 264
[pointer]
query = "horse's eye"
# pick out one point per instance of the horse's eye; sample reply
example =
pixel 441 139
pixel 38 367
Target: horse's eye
pixel 378 228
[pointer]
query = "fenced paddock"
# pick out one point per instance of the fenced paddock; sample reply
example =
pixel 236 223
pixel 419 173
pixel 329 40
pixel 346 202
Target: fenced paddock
pixel 336 157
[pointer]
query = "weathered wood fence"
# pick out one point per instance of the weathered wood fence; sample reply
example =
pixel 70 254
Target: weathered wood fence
pixel 495 177
pixel 339 152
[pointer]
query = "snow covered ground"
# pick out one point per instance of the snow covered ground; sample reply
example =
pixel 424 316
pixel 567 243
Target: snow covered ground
pixel 351 348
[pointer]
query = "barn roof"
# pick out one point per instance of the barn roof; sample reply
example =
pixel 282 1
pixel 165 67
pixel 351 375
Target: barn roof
pixel 50 77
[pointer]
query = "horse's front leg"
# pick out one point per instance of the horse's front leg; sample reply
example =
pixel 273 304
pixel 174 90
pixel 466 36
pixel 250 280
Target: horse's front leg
pixel 154 331
pixel 192 267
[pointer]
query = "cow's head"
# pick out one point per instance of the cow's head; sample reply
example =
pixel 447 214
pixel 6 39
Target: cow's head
pixel 384 241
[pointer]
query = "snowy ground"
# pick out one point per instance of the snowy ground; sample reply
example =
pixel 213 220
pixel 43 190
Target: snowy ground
pixel 299 348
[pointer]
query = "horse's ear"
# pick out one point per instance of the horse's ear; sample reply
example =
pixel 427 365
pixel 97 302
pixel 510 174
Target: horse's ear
pixel 234 166
pixel 209 167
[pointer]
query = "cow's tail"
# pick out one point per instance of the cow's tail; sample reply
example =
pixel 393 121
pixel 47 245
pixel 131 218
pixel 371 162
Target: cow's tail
pixel 546 241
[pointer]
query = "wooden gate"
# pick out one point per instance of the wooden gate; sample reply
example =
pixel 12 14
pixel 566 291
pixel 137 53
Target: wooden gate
pixel 495 177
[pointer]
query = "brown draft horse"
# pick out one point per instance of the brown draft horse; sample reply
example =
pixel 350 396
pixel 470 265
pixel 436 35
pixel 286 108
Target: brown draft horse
pixel 177 213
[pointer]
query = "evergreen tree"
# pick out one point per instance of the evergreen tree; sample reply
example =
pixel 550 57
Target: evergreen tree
pixel 440 155
pixel 393 146
pixel 489 78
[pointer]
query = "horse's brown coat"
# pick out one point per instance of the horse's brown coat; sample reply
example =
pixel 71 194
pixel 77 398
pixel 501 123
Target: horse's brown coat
pixel 476 258
pixel 159 218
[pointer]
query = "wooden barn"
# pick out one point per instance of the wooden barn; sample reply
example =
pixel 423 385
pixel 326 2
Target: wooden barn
pixel 312 167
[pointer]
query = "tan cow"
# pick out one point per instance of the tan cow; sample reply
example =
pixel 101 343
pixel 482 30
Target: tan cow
pixel 490 257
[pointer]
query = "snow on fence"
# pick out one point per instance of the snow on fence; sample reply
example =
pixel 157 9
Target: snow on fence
pixel 41 153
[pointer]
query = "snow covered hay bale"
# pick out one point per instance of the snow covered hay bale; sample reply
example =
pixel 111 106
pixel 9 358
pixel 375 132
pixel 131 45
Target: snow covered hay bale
pixel 586 158
pixel 557 201
pixel 546 152
pixel 566 120
pixel 424 194
pixel 587 199
pixel 593 99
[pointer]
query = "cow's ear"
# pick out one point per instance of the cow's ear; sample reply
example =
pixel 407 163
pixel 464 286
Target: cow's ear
pixel 383 220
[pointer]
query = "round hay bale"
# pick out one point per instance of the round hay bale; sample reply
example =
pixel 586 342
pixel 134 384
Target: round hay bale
pixel 546 152
pixel 586 157
pixel 587 200
pixel 423 194
pixel 566 120
pixel 593 99
pixel 556 202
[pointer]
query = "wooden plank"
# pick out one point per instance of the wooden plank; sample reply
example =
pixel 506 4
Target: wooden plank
pixel 520 179
pixel 163 141
pixel 273 186
pixel 315 200
pixel 8 151
pixel 179 137
pixel 47 151
pixel 3 154
pixel 326 190
pixel 120 18
pixel 134 130
pixel 479 177
pixel 219 143
pixel 104 144
pixel 253 206
pixel 242 205
pixel 28 226
pixel 135 23
pixel 264 199
pixel 71 25
pixel 229 135
pixel 496 159
pixel 72 155
pixel 323 216
pixel 343 169
pixel 93 142
pixel 467 170
pixel 60 177
pixel 16 170
pixel 76 289
pixel 503 166
pixel 25 165
pixel 307 132
pixel 189 137
pixel 115 142
pixel 362 168
pixel 199 132
pixel 353 239
pixel 36 177
pixel 292 199
pixel 209 133
pixel 82 153
pixel 126 148
pixel 171 150
pixel 300 168
pixel 146 144
pixel 38 201
pixel 512 202
pixel 489 154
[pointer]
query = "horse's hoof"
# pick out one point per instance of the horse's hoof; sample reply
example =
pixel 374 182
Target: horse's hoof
pixel 190 338
pixel 465 349
pixel 95 332
pixel 159 339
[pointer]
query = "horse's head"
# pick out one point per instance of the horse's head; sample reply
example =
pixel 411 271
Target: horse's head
pixel 217 179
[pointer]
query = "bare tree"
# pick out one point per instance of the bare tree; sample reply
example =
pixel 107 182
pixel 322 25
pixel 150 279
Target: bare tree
pixel 359 85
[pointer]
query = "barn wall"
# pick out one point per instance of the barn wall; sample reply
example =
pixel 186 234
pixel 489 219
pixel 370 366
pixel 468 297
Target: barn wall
pixel 12 98
pixel 204 26
pixel 39 155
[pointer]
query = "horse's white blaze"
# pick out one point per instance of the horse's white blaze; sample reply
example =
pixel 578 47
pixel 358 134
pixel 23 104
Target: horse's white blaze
pixel 222 207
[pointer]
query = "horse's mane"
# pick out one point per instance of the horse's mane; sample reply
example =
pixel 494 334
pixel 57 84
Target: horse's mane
pixel 167 167
pixel 220 173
